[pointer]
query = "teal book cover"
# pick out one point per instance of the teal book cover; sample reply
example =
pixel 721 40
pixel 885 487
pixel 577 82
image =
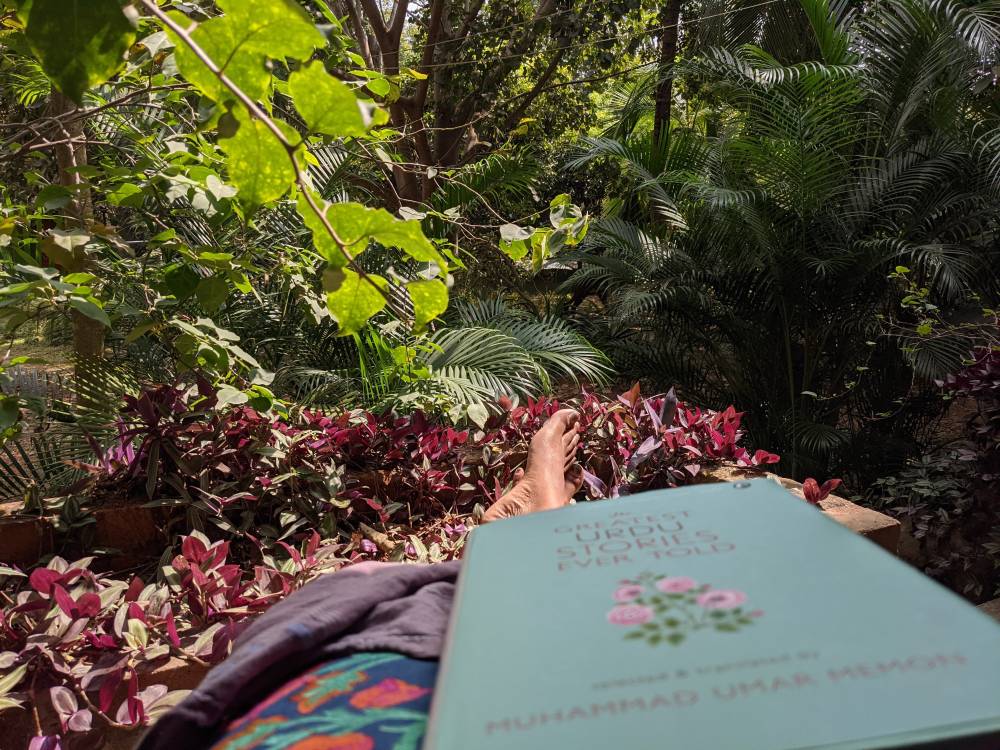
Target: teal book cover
pixel 716 617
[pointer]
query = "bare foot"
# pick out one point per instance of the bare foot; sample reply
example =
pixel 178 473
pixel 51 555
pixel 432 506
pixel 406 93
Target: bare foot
pixel 552 476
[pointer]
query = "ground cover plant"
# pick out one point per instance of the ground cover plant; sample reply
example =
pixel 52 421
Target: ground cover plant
pixel 948 497
pixel 244 473
pixel 83 642
pixel 378 487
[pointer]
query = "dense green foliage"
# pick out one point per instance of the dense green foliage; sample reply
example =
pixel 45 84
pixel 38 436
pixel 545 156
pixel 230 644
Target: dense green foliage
pixel 185 206
pixel 796 248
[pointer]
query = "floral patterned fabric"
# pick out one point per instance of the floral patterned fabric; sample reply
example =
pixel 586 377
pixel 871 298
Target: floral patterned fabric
pixel 376 701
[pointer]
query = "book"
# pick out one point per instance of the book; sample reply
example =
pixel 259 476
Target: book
pixel 716 617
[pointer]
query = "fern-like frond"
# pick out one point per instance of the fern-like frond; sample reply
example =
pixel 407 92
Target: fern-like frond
pixel 494 361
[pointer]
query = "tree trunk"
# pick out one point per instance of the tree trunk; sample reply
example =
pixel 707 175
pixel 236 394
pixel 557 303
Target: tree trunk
pixel 670 17
pixel 88 334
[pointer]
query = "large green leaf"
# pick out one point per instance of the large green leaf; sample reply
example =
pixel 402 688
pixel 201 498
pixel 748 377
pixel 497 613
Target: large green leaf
pixel 327 105
pixel 241 41
pixel 259 165
pixel 357 225
pixel 80 43
pixel 430 299
pixel 324 243
pixel 212 293
pixel 90 308
pixel 352 300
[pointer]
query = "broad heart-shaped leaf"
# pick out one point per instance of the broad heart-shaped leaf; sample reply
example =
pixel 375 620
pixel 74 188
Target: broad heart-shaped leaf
pixel 227 394
pixel 212 293
pixel 322 240
pixel 258 163
pixel 181 280
pixel 514 241
pixel 352 300
pixel 241 41
pixel 220 39
pixel 430 299
pixel 90 309
pixel 356 225
pixel 80 43
pixel 10 412
pixel 327 105
pixel 514 249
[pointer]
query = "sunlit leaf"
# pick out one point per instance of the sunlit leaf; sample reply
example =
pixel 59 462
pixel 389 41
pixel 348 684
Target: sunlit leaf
pixel 240 43
pixel 259 166
pixel 357 225
pixel 327 105
pixel 430 299
pixel 351 299
pixel 324 243
pixel 227 394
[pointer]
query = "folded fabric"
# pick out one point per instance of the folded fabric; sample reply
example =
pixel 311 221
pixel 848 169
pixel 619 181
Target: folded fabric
pixel 367 607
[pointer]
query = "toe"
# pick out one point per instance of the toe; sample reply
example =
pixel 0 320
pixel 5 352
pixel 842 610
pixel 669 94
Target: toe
pixel 564 420
pixel 574 477
pixel 570 454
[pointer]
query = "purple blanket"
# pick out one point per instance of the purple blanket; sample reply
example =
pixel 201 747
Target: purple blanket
pixel 367 607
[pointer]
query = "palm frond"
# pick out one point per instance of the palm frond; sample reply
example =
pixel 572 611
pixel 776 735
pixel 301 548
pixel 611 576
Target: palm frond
pixel 484 360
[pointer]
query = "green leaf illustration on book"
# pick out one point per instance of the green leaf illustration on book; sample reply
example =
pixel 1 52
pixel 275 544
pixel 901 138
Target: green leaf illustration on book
pixel 667 609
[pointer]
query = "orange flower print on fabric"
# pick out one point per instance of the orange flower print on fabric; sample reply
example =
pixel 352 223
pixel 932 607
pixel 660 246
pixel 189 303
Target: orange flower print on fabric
pixel 318 689
pixel 252 735
pixel 352 741
pixel 389 692
pixel 274 698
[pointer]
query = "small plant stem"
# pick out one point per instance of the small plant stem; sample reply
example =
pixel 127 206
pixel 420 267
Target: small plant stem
pixel 82 694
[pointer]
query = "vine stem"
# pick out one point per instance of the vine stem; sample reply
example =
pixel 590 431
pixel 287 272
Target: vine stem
pixel 34 705
pixel 258 112
pixel 82 694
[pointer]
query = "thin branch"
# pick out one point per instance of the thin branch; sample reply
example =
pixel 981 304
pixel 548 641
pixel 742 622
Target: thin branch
pixel 470 18
pixel 516 114
pixel 498 102
pixel 80 114
pixel 359 31
pixel 256 111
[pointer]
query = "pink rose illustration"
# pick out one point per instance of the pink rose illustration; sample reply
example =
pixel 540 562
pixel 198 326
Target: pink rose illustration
pixel 676 585
pixel 628 593
pixel 721 599
pixel 630 614
pixel 687 608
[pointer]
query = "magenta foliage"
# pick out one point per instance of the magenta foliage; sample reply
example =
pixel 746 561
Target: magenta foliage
pixel 367 467
pixel 69 633
pixel 222 460
pixel 632 443
pixel 980 381
pixel 816 493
